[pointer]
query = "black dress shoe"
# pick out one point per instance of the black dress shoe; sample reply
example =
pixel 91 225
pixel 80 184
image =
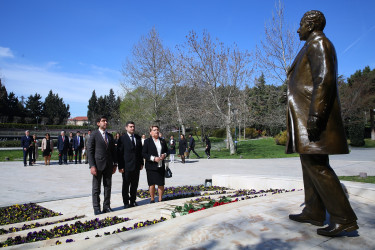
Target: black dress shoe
pixel 107 210
pixel 305 219
pixel 126 206
pixel 133 204
pixel 97 211
pixel 335 229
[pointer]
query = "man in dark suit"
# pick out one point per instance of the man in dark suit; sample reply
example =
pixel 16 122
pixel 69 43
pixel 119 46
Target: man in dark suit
pixel 192 145
pixel 62 146
pixel 130 162
pixel 78 145
pixel 103 163
pixel 26 142
pixel 315 128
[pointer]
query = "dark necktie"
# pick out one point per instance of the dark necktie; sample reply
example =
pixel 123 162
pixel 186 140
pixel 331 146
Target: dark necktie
pixel 133 140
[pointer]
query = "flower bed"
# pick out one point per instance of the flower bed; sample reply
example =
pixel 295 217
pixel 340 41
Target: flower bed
pixel 189 208
pixel 64 230
pixel 36 225
pixel 181 191
pixel 26 212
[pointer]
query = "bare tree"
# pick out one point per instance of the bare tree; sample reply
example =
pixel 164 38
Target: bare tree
pixel 280 46
pixel 147 70
pixel 175 77
pixel 221 71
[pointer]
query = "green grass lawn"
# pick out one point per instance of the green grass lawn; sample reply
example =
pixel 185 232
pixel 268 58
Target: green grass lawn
pixel 369 179
pixel 250 149
pixel 17 155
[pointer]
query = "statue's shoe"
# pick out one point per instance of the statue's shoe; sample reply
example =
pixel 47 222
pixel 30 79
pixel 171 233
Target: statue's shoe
pixel 334 229
pixel 305 219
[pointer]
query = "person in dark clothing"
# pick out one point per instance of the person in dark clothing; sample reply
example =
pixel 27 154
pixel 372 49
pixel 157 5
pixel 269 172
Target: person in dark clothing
pixel 192 145
pixel 78 145
pixel 26 142
pixel 208 147
pixel 70 148
pixel 182 146
pixel 62 146
pixel 103 164
pixel 130 163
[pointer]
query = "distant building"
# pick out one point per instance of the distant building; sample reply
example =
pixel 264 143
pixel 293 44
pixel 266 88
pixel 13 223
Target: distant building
pixel 79 121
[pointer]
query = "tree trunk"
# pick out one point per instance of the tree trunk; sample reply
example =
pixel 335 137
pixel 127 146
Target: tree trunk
pixel 230 140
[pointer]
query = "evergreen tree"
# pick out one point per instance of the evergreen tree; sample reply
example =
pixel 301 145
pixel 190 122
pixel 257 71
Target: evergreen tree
pixel 3 101
pixel 92 108
pixel 15 108
pixel 34 107
pixel 54 109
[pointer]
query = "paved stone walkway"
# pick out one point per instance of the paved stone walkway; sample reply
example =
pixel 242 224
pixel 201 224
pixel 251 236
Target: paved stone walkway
pixel 260 223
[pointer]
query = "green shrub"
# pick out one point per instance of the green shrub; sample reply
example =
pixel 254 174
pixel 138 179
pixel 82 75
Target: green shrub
pixel 10 144
pixel 251 133
pixel 220 133
pixel 356 132
pixel 281 138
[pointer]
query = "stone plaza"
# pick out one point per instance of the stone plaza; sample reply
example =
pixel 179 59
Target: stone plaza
pixel 260 223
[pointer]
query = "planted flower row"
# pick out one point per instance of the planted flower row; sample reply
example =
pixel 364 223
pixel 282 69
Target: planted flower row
pixel 25 212
pixel 36 225
pixel 64 230
pixel 123 229
pixel 238 194
pixel 189 208
pixel 170 191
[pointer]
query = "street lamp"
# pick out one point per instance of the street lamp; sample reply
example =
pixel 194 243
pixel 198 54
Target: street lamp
pixel 37 118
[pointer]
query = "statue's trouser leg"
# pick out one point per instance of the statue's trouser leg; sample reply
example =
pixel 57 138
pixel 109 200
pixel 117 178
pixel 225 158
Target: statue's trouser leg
pixel 323 190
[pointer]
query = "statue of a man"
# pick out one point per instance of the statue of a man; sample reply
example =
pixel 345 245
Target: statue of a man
pixel 315 128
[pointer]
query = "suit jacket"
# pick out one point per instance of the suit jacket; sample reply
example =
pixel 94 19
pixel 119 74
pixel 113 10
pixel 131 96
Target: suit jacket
pixel 192 143
pixel 100 154
pixel 312 90
pixel 77 145
pixel 129 156
pixel 62 145
pixel 149 149
pixel 26 141
pixel 44 144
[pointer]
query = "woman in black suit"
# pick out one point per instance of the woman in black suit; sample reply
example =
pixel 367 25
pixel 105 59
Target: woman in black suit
pixel 182 146
pixel 154 152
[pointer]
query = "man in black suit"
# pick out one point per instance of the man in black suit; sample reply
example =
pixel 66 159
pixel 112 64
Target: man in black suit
pixel 78 145
pixel 130 162
pixel 103 163
pixel 62 146
pixel 26 141
pixel 192 145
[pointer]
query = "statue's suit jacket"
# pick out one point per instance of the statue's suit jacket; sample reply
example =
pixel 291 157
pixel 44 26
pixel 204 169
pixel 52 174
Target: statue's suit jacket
pixel 312 90
pixel 100 154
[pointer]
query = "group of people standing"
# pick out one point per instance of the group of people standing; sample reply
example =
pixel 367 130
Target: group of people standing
pixel 65 146
pixel 184 148
pixel 130 155
pixel 30 148
pixel 76 144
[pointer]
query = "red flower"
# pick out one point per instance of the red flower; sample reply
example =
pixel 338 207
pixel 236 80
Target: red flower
pixel 191 211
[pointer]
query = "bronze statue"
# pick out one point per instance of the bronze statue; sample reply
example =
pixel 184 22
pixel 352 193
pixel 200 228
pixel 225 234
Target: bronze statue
pixel 315 128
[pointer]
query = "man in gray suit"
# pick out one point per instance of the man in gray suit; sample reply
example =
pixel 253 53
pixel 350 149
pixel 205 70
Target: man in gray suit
pixel 103 163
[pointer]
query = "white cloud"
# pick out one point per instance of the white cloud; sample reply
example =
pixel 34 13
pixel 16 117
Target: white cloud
pixel 6 52
pixel 75 89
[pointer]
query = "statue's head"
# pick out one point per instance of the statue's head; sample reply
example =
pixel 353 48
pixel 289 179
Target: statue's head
pixel 312 20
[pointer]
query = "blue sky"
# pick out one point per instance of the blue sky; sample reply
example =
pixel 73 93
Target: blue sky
pixel 76 46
